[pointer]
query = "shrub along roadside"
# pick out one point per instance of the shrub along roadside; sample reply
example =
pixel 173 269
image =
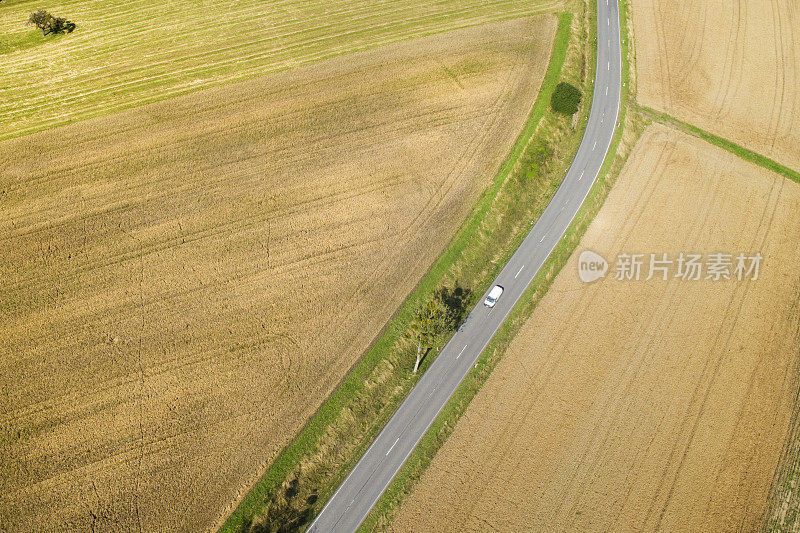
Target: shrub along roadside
pixel 566 99
pixel 323 452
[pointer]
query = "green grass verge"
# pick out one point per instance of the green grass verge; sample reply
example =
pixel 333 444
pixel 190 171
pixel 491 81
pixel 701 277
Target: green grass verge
pixel 440 430
pixel 783 509
pixel 740 151
pixel 352 390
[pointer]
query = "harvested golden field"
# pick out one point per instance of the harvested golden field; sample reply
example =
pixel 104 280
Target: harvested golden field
pixel 184 283
pixel 640 405
pixel 731 68
pixel 125 53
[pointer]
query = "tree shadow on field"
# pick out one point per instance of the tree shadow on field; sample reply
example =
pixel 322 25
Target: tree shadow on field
pixel 285 511
pixel 424 355
pixel 455 300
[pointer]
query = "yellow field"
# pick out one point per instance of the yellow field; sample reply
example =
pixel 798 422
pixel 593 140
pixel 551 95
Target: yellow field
pixel 184 283
pixel 640 405
pixel 125 53
pixel 731 68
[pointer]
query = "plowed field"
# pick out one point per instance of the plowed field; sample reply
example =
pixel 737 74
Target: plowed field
pixel 728 67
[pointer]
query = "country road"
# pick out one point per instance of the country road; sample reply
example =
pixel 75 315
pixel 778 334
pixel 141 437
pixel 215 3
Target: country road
pixel 372 474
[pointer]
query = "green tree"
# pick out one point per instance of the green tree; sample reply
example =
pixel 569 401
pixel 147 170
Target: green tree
pixel 427 324
pixel 441 313
pixel 566 99
pixel 50 24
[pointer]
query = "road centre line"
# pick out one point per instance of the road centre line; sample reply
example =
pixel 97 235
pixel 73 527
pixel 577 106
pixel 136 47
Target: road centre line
pixel 520 270
pixel 390 449
pixel 462 351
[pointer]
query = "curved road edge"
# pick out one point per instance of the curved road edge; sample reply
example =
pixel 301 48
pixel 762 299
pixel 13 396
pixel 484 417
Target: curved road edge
pixel 356 496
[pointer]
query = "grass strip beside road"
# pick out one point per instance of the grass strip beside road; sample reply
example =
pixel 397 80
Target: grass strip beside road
pixel 630 125
pixel 350 412
pixel 735 149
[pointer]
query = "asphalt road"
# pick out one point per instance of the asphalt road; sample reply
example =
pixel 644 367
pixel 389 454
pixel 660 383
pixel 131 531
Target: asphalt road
pixel 372 474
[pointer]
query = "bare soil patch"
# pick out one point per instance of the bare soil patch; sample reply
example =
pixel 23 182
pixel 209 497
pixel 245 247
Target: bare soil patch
pixel 649 405
pixel 182 284
pixel 731 68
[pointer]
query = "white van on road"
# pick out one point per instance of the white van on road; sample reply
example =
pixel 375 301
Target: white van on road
pixel 493 296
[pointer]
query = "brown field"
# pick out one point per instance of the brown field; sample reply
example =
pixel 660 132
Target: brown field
pixel 729 67
pixel 178 298
pixel 640 406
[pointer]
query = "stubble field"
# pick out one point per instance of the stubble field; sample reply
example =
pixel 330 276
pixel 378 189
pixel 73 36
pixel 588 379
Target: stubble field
pixel 183 283
pixel 124 54
pixel 640 405
pixel 728 67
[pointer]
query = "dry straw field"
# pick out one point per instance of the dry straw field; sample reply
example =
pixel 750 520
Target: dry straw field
pixel 728 67
pixel 640 406
pixel 127 53
pixel 183 283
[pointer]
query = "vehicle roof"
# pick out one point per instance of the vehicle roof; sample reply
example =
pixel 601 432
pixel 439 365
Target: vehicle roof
pixel 496 291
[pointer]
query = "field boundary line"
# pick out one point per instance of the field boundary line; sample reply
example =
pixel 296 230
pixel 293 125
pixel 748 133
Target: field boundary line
pixel 730 146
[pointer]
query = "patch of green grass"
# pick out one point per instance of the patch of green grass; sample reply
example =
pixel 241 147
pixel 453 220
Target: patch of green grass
pixel 20 41
pixel 337 435
pixel 440 430
pixel 735 149
pixel 784 500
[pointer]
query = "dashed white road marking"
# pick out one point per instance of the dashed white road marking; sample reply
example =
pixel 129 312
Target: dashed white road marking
pixel 462 351
pixel 606 91
pixel 579 177
pixel 595 146
pixel 395 442
pixel 520 270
